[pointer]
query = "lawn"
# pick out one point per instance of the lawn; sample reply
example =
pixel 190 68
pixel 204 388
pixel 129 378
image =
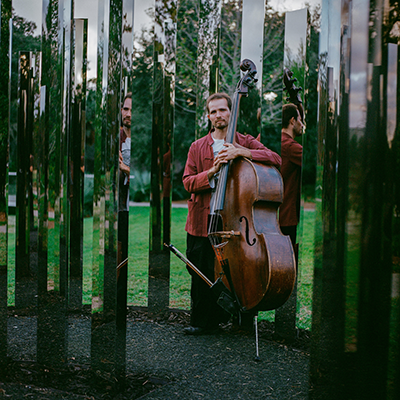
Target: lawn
pixel 179 277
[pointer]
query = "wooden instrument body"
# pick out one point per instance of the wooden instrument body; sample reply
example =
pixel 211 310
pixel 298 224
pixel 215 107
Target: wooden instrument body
pixel 261 259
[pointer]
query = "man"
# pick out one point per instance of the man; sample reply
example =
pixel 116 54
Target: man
pixel 125 152
pixel 205 158
pixel 291 153
pixel 123 208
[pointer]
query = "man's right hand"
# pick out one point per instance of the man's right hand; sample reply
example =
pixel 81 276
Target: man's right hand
pixel 218 162
pixel 122 166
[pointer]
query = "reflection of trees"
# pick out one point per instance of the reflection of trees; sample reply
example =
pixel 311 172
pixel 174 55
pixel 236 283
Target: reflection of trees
pixel 186 87
pixel 274 27
pixel 230 46
pixel 4 110
pixel 52 78
pixel 311 100
pixel 142 72
pixel 391 34
pixel 23 39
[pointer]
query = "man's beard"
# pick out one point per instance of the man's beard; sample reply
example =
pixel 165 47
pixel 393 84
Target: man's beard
pixel 298 132
pixel 126 124
pixel 220 125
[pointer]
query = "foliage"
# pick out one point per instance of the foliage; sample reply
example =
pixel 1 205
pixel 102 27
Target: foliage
pixel 185 90
pixel 23 39
pixel 142 90
pixel 311 101
pixel 4 111
pixel 139 185
pixel 186 86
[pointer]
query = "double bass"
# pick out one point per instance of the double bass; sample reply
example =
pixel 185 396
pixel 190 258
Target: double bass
pixel 254 260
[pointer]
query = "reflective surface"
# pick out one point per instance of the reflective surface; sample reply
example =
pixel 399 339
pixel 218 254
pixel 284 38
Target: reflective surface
pixel 4 146
pixel 108 100
pixel 207 59
pixel 355 246
pixel 52 283
pixel 59 234
pixel 162 137
pixel 271 100
pixel 251 47
pixel 141 131
pixel 296 38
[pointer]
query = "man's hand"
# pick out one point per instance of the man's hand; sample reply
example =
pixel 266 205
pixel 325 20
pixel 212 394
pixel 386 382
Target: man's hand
pixel 123 167
pixel 229 152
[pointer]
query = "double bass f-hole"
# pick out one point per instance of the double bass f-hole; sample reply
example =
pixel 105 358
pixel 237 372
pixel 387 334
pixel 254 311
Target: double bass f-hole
pixel 247 231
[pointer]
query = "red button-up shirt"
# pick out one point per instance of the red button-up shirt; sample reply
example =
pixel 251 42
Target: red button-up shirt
pixel 195 180
pixel 292 153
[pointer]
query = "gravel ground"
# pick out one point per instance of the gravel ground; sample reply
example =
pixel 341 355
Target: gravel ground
pixel 163 363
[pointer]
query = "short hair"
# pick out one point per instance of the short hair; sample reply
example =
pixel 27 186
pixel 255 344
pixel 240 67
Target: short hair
pixel 217 96
pixel 289 111
pixel 127 96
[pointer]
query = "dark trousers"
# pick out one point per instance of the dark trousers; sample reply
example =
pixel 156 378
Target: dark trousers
pixel 290 231
pixel 205 312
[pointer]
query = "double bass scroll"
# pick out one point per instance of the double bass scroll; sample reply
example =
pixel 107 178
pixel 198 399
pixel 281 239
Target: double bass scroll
pixel 293 91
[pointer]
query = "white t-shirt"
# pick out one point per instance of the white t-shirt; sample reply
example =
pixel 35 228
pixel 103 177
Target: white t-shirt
pixel 217 146
pixel 126 154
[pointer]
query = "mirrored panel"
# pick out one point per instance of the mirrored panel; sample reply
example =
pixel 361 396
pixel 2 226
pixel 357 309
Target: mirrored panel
pixel 140 169
pixel 52 328
pixel 5 18
pixel 208 70
pixel 292 143
pixel 76 162
pixel 162 136
pixel 253 15
pixel 105 207
pixel 357 126
pixel 88 11
pixel 184 134
pixel 24 82
pixel 271 100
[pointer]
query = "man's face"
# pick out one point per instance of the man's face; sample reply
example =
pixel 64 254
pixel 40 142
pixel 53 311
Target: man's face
pixel 126 111
pixel 298 125
pixel 219 113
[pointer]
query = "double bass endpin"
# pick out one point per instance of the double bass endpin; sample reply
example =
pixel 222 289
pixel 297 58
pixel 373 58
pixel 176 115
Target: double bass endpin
pixel 257 357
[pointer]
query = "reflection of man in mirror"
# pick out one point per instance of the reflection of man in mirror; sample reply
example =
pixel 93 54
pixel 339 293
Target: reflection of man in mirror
pixel 125 152
pixel 123 207
pixel 291 153
pixel 205 158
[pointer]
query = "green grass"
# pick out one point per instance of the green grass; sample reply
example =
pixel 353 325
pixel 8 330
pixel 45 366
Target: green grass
pixel 139 220
pixel 306 270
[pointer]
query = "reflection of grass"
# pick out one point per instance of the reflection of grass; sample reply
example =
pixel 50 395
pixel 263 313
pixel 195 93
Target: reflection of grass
pixel 306 271
pixel 352 280
pixel 11 261
pixel 3 244
pixel 305 275
pixel 138 253
pixel 180 278
pixel 138 258
pixel 87 260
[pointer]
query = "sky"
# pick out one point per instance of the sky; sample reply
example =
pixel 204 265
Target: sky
pixel 32 11
pixel 292 5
